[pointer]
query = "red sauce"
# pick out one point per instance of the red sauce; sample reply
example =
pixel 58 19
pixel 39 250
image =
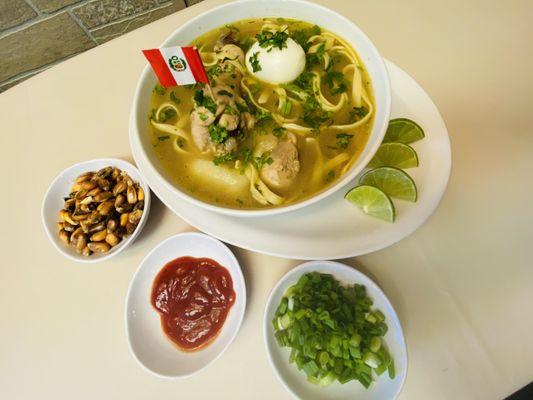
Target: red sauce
pixel 193 297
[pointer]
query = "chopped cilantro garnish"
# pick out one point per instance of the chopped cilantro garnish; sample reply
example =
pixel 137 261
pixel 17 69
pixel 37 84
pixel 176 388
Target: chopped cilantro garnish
pixel 166 114
pixel 218 134
pixel 180 142
pixel 358 113
pixel 230 110
pixel 330 176
pixel 204 101
pixel 314 116
pixel 174 98
pixel 223 158
pixel 317 57
pixel 268 40
pixel 202 116
pixel 305 81
pixel 224 92
pixel 262 116
pixel 343 140
pixel 245 155
pixel 163 138
pixel 214 71
pixel 278 131
pixel 265 158
pixel 255 62
pixel 152 114
pixel 301 37
pixel 160 90
pixel 241 107
pixel 335 81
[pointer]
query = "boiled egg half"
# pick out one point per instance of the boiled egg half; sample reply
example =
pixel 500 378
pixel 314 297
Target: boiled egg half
pixel 276 65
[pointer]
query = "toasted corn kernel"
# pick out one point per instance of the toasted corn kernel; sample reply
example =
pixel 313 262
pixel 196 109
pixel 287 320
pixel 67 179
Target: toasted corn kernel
pixel 99 236
pixel 98 247
pixel 112 239
pixel 124 219
pixel 132 195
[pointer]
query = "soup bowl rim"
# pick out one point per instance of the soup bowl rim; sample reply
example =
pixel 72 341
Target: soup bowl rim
pixel 376 133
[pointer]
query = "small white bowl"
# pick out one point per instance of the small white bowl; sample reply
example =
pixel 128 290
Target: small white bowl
pixel 60 187
pixel 295 381
pixel 146 339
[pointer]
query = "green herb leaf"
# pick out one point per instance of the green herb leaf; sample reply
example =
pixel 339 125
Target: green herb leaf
pixel 160 90
pixel 218 134
pixel 265 158
pixel 202 100
pixel 317 57
pixel 224 92
pixel 343 140
pixel 302 36
pixel 278 131
pixel 166 114
pixel 269 40
pixel 358 113
pixel 335 81
pixel 163 138
pixel 223 158
pixel 255 62
pixel 175 99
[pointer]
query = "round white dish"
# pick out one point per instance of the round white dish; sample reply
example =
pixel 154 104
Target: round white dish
pixel 146 339
pixel 305 11
pixel 295 381
pixel 333 228
pixel 60 188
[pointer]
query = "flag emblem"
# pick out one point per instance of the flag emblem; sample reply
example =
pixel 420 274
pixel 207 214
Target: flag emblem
pixel 176 66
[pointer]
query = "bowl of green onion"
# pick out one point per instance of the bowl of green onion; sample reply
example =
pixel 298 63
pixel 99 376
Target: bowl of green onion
pixel 331 333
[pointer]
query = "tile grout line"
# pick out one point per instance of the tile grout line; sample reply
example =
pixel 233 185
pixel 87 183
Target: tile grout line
pixel 82 27
pixel 28 2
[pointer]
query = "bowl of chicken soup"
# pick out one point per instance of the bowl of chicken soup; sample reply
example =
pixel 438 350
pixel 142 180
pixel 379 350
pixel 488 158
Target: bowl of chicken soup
pixel 294 109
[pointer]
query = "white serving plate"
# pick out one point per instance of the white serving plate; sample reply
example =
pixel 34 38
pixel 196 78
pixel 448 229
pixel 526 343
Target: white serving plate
pixel 333 228
pixel 60 187
pixel 146 339
pixel 383 388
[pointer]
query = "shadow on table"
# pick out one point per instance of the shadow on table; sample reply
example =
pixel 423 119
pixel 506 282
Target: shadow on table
pixel 244 259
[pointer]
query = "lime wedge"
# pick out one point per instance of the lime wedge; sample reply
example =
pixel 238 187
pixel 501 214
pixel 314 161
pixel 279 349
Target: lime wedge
pixel 403 130
pixel 397 155
pixel 372 201
pixel 393 181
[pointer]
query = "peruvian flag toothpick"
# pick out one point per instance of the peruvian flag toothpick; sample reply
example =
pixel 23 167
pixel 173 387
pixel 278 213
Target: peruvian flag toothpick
pixel 176 66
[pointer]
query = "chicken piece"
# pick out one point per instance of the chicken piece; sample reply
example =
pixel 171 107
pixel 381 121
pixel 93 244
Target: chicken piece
pixel 285 165
pixel 229 121
pixel 224 39
pixel 247 121
pixel 233 52
pixel 201 118
pixel 229 146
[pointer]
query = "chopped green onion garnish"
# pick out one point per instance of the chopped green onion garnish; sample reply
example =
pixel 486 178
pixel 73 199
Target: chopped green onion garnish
pixel 332 331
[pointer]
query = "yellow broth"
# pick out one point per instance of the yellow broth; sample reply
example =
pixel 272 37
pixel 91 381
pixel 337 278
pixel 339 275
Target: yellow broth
pixel 178 163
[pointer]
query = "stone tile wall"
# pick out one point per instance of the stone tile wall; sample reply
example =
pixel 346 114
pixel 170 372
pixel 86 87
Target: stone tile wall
pixel 36 34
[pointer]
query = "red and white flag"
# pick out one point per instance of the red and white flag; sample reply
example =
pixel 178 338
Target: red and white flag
pixel 176 66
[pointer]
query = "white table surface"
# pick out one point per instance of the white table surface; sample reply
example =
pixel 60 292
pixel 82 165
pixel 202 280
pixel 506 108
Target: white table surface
pixel 462 284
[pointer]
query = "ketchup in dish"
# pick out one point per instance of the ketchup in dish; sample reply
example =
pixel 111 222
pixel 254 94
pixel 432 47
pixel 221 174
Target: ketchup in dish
pixel 193 297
